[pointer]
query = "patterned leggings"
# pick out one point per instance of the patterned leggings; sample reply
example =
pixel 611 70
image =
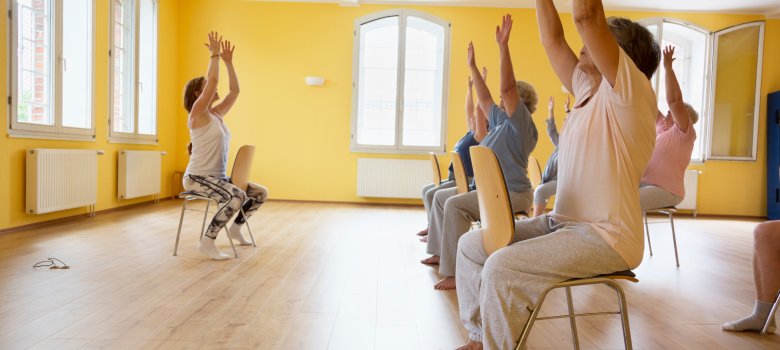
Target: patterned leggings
pixel 230 196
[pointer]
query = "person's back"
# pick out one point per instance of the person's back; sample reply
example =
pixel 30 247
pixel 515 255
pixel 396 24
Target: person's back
pixel 210 145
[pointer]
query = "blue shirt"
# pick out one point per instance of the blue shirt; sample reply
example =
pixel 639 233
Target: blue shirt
pixel 462 147
pixel 512 139
pixel 551 169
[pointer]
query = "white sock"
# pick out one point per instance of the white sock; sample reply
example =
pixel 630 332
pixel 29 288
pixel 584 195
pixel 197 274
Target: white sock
pixel 207 247
pixel 235 233
pixel 754 321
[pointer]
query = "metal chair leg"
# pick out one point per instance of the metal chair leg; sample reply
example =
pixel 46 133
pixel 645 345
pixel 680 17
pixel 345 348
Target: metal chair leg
pixel 205 216
pixel 674 238
pixel 647 232
pixel 528 325
pixel 246 220
pixel 178 232
pixel 572 320
pixel 771 315
pixel 623 313
pixel 227 234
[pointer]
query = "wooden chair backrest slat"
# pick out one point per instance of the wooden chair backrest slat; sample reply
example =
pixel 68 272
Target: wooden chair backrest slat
pixel 495 211
pixel 534 172
pixel 461 179
pixel 242 166
pixel 435 169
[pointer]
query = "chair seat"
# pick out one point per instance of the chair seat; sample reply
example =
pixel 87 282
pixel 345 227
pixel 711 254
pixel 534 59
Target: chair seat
pixel 192 195
pixel 664 210
pixel 627 275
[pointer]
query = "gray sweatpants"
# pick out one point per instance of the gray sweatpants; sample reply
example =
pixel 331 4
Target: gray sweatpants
pixel 543 193
pixel 496 294
pixel 427 195
pixel 654 197
pixel 452 216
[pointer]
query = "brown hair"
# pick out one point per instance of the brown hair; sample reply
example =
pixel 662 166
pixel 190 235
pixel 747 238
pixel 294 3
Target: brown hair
pixel 637 42
pixel 527 95
pixel 189 92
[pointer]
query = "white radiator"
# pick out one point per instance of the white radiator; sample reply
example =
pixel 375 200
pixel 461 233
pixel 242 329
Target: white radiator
pixel 691 182
pixel 59 179
pixel 392 178
pixel 138 174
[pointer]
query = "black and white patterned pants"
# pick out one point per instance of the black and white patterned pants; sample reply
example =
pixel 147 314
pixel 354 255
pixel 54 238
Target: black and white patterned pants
pixel 223 191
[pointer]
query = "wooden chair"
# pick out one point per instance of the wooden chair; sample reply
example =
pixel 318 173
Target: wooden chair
pixel 534 172
pixel 461 179
pixel 239 176
pixel 497 231
pixel 771 314
pixel 666 211
pixel 435 169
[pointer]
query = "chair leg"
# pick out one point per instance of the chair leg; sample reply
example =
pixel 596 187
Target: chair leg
pixel 771 314
pixel 623 312
pixel 528 325
pixel 227 234
pixel 205 216
pixel 674 239
pixel 572 320
pixel 647 232
pixel 178 232
pixel 248 227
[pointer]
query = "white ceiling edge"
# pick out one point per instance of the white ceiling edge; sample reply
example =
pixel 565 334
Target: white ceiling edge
pixel 563 6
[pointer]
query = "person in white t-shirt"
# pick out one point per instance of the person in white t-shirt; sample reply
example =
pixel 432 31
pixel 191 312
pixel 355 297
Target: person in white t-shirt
pixel 596 225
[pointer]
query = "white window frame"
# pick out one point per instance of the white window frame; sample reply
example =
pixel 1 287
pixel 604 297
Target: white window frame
pixel 706 116
pixel 56 131
pixel 398 147
pixel 134 137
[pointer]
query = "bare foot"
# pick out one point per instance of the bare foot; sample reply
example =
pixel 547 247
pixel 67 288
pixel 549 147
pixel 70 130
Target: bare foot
pixel 424 239
pixel 471 345
pixel 446 284
pixel 433 260
pixel 423 232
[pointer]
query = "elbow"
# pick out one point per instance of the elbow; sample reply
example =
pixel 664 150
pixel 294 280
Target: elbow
pixel 585 16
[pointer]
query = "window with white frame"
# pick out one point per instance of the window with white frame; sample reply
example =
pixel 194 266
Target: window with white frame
pixel 51 91
pixel 133 94
pixel 400 82
pixel 727 106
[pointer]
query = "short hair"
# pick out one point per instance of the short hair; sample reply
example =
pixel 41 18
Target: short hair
pixel 692 113
pixel 637 42
pixel 189 92
pixel 528 95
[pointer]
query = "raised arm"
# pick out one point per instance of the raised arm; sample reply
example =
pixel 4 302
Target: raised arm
pixel 674 96
pixel 552 131
pixel 601 46
pixel 227 57
pixel 480 116
pixel 470 117
pixel 507 74
pixel 199 112
pixel 484 99
pixel 559 53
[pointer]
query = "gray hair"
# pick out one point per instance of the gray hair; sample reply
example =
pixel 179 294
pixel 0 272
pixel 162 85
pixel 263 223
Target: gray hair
pixel 692 113
pixel 528 95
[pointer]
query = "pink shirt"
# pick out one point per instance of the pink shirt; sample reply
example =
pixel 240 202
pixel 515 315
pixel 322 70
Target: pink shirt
pixel 603 151
pixel 671 156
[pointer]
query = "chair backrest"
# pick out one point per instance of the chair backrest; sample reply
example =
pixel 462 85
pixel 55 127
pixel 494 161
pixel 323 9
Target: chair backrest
pixel 242 166
pixel 495 211
pixel 435 169
pixel 461 179
pixel 534 172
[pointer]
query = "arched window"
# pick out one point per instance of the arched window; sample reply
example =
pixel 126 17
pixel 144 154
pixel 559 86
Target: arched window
pixel 400 82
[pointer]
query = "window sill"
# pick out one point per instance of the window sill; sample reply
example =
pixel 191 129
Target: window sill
pixel 42 135
pixel 132 141
pixel 368 150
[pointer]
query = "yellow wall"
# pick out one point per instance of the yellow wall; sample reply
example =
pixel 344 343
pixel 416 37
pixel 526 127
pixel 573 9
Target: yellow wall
pixel 302 132
pixel 12 172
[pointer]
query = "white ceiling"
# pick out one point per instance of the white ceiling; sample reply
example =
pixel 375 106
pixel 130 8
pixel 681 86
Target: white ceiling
pixel 766 7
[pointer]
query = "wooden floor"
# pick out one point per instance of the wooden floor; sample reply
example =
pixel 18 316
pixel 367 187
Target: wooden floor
pixel 331 276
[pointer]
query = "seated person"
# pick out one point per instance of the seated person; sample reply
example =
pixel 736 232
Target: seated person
pixel 462 147
pixel 550 175
pixel 512 136
pixel 662 184
pixel 766 273
pixel 596 225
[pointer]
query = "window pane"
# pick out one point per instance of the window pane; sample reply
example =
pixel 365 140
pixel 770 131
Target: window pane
pixel 423 83
pixel 690 68
pixel 76 64
pixel 34 62
pixel 147 69
pixel 735 92
pixel 378 67
pixel 123 74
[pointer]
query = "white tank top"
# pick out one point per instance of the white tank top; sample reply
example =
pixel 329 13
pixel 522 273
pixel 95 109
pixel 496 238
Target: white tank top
pixel 209 149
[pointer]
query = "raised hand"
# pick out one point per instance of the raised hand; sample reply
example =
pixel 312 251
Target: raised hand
pixel 668 56
pixel 484 73
pixel 214 42
pixel 471 61
pixel 567 105
pixel 502 33
pixel 550 104
pixel 227 51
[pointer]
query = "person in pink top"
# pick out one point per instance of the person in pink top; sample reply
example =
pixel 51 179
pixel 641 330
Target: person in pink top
pixel 662 184
pixel 596 225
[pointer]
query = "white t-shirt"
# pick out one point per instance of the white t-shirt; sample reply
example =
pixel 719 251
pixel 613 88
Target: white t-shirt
pixel 210 145
pixel 603 152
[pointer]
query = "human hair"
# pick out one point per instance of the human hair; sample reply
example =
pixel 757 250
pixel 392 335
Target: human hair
pixel 692 113
pixel 189 92
pixel 528 95
pixel 637 42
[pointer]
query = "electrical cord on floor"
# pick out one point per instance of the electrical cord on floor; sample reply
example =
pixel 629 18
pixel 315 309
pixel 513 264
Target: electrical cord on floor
pixel 52 264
